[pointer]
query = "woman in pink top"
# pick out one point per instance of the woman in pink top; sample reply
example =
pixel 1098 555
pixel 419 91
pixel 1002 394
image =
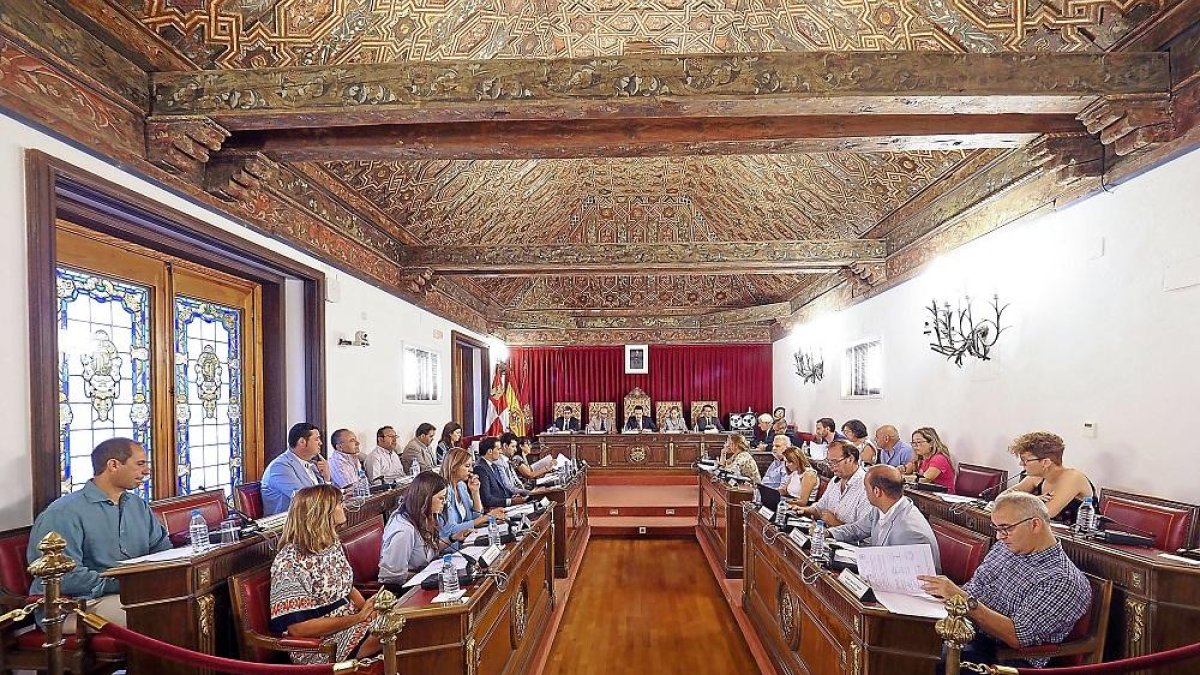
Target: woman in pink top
pixel 932 463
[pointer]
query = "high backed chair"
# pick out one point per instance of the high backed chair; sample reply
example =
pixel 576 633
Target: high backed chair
pixel 175 513
pixel 249 499
pixel 576 411
pixel 21 643
pixel 662 410
pixel 1085 643
pixel 362 544
pixel 1172 523
pixel 698 406
pixel 634 398
pixel 250 596
pixel 973 480
pixel 962 550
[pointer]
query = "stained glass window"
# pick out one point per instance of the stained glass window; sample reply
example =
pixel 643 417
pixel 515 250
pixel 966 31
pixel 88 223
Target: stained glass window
pixel 208 395
pixel 103 369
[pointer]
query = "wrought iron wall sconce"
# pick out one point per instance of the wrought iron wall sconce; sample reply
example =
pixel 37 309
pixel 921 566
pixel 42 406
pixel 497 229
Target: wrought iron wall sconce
pixel 957 333
pixel 810 366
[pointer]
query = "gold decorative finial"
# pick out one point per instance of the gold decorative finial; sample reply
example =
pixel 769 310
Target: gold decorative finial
pixel 53 561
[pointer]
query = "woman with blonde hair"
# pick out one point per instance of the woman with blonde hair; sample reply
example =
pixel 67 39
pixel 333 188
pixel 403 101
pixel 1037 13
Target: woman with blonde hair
pixel 464 510
pixel 932 462
pixel 802 480
pixel 736 457
pixel 312 584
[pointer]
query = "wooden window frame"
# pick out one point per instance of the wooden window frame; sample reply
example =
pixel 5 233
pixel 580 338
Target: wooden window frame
pixel 58 190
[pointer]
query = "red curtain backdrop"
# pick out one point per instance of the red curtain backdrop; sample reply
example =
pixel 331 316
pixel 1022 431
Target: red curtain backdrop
pixel 737 376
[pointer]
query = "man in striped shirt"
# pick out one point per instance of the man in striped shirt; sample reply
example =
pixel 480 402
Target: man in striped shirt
pixel 1026 592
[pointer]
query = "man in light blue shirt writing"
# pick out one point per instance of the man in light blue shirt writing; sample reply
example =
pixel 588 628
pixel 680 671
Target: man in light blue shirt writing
pixel 102 523
pixel 892 450
pixel 300 466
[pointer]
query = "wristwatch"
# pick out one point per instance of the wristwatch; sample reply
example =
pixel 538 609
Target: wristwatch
pixel 972 603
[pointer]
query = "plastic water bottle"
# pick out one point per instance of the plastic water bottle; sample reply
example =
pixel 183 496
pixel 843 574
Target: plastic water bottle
pixel 362 489
pixel 819 550
pixel 493 532
pixel 1085 518
pixel 414 469
pixel 449 581
pixel 198 531
pixel 780 515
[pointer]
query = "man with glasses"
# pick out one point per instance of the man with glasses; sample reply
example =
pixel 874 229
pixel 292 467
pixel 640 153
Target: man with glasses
pixel 383 464
pixel 1061 487
pixel 845 499
pixel 1026 592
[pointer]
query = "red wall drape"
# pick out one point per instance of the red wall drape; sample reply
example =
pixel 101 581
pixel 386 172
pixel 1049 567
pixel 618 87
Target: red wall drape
pixel 737 376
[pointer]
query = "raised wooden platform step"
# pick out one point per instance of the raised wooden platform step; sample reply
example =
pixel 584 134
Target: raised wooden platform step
pixel 642 500
pixel 626 477
pixel 684 528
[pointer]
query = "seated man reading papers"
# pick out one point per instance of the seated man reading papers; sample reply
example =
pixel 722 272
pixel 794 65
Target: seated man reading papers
pixel 894 520
pixel 845 499
pixel 1026 592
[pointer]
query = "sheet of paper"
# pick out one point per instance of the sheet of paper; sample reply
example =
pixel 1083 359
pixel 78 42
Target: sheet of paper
pixel 900 603
pixel 543 463
pixel 435 568
pixel 473 551
pixel 955 499
pixel 456 596
pixel 169 555
pixel 1178 558
pixel 845 545
pixel 845 556
pixel 894 569
pixel 561 461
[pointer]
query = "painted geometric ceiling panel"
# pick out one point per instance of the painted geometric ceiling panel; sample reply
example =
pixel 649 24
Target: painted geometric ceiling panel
pixel 659 199
pixel 262 33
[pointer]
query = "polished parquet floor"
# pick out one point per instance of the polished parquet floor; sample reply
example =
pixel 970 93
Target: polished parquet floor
pixel 647 606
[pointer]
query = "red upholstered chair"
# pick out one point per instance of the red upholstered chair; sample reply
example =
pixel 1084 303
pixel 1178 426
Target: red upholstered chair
pixel 821 487
pixel 1085 643
pixel 973 480
pixel 175 513
pixel 363 544
pixel 249 499
pixel 84 652
pixel 1172 523
pixel 250 596
pixel 962 550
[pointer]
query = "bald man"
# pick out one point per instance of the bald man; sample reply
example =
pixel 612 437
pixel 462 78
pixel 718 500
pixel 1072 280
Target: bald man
pixel 894 520
pixel 892 450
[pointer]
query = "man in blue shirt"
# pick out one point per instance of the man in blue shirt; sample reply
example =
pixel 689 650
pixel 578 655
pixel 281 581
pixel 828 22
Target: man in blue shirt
pixel 102 523
pixel 892 450
pixel 300 466
pixel 777 473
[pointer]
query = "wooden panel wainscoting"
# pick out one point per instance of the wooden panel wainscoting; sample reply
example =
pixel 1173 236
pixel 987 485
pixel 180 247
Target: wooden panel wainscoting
pixel 669 452
pixel 721 521
pixel 570 522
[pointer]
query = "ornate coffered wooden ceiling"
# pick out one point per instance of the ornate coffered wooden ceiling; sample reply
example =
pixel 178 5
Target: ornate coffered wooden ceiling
pixel 625 170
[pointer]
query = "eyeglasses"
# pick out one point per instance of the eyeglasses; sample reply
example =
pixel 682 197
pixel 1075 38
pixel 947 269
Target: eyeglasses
pixel 835 462
pixel 1023 462
pixel 1006 530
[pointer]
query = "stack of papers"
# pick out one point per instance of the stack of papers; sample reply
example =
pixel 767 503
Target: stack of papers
pixel 169 555
pixel 892 573
pixel 435 568
pixel 955 499
pixel 543 463
pixel 519 510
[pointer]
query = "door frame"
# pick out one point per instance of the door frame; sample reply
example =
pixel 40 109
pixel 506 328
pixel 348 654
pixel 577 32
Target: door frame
pixel 457 395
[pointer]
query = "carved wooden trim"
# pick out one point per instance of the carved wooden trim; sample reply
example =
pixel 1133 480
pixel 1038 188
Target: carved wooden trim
pixel 183 145
pixel 1070 157
pixel 1129 123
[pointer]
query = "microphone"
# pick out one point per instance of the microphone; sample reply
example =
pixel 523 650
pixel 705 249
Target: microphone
pixel 1100 517
pixel 996 489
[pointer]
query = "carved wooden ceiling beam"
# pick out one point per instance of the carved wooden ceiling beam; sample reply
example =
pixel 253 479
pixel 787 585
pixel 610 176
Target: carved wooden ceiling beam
pixel 673 258
pixel 571 139
pixel 718 85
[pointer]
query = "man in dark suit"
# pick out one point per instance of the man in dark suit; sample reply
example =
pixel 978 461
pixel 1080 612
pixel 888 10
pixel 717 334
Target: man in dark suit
pixel 708 420
pixel 567 421
pixel 639 420
pixel 492 492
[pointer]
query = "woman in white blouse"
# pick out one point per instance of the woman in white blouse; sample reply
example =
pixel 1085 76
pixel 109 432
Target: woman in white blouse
pixel 802 480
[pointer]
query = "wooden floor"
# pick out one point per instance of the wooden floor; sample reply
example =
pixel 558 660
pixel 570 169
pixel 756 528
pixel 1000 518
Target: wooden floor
pixel 651 606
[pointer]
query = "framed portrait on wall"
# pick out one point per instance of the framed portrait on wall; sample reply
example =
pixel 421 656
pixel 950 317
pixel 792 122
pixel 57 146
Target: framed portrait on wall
pixel 637 359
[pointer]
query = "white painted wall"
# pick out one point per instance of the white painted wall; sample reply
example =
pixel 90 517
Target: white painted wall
pixel 363 384
pixel 1095 337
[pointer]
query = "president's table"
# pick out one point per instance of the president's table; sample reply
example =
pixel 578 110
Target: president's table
pixel 1156 602
pixel 720 521
pixel 499 628
pixel 669 452
pixel 186 602
pixel 809 623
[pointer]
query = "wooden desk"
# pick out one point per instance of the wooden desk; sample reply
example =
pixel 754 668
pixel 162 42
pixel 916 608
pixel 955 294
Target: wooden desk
pixel 498 631
pixel 186 603
pixel 570 522
pixel 656 451
pixel 1156 602
pixel 810 624
pixel 721 524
